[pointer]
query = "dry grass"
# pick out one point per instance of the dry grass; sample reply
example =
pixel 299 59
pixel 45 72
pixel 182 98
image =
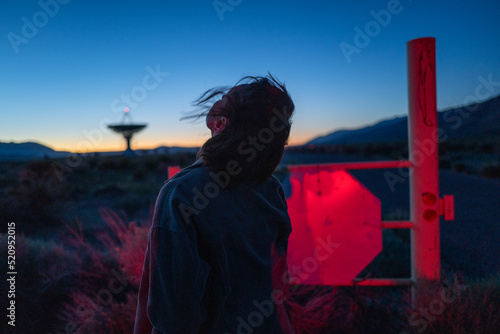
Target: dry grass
pixel 79 286
pixel 453 307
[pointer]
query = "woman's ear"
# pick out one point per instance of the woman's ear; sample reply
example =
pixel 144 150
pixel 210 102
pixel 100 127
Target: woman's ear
pixel 218 124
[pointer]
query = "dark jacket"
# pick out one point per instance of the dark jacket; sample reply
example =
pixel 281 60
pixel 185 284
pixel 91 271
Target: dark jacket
pixel 216 257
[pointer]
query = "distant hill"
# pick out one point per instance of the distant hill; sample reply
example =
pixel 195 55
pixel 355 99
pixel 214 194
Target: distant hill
pixel 480 120
pixel 174 150
pixel 26 151
pixel 385 131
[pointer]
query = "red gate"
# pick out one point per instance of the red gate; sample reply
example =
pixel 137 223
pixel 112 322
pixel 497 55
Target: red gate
pixel 310 212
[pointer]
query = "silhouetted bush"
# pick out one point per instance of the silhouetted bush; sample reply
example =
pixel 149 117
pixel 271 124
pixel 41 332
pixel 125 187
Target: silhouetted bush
pixel 491 171
pixel 139 173
pixel 30 200
pixel 460 167
pixel 150 162
pixel 46 275
pixel 445 163
pixel 94 160
pixel 113 163
pixel 450 307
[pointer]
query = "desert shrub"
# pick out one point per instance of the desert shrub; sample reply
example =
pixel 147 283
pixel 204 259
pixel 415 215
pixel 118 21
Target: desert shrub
pixel 109 305
pixel 74 285
pixel 88 315
pixel 444 162
pixel 113 163
pixel 164 158
pixel 450 307
pixel 486 147
pixel 460 167
pixel 315 310
pixel 46 274
pixel 139 173
pixel 132 203
pixel 150 162
pixel 107 163
pixel 30 200
pixel 127 243
pixel 93 160
pixel 490 171
pixel 349 310
pixel 110 190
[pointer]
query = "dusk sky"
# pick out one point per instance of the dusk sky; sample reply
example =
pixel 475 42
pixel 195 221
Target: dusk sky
pixel 69 67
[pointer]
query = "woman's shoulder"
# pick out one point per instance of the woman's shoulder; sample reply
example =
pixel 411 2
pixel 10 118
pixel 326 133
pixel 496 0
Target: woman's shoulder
pixel 185 179
pixel 188 173
pixel 176 194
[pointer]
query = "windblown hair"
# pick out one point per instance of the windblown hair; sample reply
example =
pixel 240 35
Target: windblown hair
pixel 258 128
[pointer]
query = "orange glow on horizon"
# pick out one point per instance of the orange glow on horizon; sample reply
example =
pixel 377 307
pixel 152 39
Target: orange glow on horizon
pixel 118 144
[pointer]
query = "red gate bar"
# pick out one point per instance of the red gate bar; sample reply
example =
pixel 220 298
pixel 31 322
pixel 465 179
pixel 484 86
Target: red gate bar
pixel 397 224
pixel 351 165
pixel 377 282
pixel 382 282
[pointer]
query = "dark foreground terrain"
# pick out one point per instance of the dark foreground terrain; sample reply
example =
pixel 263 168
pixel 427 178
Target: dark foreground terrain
pixel 81 226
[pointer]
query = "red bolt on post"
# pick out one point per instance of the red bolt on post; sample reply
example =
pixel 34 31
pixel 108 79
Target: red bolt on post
pixel 423 146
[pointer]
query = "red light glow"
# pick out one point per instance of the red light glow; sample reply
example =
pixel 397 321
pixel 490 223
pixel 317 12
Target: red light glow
pixel 336 227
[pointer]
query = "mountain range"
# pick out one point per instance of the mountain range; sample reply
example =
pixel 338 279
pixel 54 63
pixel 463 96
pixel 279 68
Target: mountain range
pixel 27 151
pixel 479 120
pixel 31 150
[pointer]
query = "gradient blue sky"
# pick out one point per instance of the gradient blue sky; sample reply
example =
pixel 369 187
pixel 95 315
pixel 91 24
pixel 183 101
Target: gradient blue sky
pixel 66 80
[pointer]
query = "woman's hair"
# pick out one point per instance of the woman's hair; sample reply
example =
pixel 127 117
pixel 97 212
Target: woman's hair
pixel 251 145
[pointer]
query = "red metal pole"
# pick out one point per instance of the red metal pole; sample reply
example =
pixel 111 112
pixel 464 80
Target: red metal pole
pixel 423 148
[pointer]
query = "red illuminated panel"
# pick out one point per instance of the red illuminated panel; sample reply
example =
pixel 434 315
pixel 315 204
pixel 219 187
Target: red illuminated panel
pixel 336 227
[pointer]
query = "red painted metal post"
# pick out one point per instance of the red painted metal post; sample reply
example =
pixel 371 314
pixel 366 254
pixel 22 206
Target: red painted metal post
pixel 423 148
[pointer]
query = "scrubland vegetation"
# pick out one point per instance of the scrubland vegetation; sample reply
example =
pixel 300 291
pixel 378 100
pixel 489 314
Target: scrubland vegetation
pixel 81 235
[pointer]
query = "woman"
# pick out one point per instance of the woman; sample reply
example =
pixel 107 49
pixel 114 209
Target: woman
pixel 216 256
